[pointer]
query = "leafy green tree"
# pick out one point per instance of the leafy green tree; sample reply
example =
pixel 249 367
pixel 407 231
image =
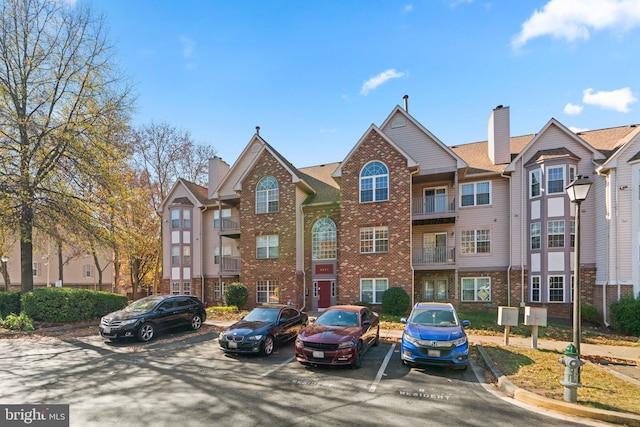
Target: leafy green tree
pixel 62 106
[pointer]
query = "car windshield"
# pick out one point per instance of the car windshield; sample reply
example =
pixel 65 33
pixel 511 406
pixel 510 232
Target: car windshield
pixel 268 315
pixel 338 318
pixel 142 305
pixel 431 317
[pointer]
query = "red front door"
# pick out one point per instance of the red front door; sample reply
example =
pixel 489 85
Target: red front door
pixel 324 293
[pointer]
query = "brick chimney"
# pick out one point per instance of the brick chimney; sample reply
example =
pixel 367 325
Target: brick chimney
pixel 218 168
pixel 499 136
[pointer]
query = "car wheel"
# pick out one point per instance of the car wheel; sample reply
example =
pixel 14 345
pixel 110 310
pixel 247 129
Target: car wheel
pixel 196 322
pixel 376 342
pixel 146 332
pixel 357 360
pixel 267 345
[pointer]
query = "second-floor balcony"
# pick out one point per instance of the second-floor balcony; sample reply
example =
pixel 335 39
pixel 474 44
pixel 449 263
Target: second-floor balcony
pixel 436 206
pixel 230 227
pixel 230 265
pixel 434 257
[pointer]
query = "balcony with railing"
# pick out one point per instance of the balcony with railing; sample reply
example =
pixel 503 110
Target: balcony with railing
pixel 436 206
pixel 230 227
pixel 230 265
pixel 434 257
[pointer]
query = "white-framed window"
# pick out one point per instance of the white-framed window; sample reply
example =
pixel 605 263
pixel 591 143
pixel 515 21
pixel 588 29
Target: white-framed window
pixel 221 214
pixel 175 255
pixel 226 252
pixel 536 296
pixel 87 271
pixel 186 218
pixel 556 288
pixel 186 288
pixel 572 234
pixel 535 235
pixel 175 218
pixel 476 241
pixel 374 240
pixel 324 243
pixel 374 183
pixel 476 289
pixel 572 173
pixel 267 291
pixel 267 195
pixel 175 288
pixel 218 290
pixel 435 289
pixel 36 269
pixel 555 234
pixel 555 180
pixel 475 193
pixel 371 290
pixel 267 246
pixel 186 255
pixel 534 183
pixel 572 287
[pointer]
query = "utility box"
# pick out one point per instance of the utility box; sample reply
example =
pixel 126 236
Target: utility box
pixel 508 316
pixel 535 316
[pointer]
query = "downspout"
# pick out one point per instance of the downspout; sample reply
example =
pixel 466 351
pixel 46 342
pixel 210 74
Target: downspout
pixel 220 251
pixel 413 272
pixel 510 239
pixel 304 274
pixel 523 223
pixel 607 254
pixel 202 211
pixel 617 246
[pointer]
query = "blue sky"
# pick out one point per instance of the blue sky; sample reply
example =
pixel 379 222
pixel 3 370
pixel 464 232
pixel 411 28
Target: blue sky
pixel 314 75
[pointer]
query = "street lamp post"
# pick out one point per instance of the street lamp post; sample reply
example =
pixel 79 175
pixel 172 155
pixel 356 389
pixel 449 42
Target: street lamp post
pixel 577 191
pixel 5 273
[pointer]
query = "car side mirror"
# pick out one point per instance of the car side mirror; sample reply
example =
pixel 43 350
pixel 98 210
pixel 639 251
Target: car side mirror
pixel 367 323
pixel 403 320
pixel 161 309
pixel 466 323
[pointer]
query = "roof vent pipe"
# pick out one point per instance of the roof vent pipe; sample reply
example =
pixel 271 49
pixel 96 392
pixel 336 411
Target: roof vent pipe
pixel 258 130
pixel 406 103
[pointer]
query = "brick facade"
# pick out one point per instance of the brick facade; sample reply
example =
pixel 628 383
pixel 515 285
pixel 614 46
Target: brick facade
pixel 395 265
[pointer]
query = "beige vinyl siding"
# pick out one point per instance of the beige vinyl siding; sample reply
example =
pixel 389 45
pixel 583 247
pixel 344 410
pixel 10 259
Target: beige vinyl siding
pixel 236 172
pixel 494 217
pixel 428 153
pixel 622 226
pixel 599 192
pixel 204 250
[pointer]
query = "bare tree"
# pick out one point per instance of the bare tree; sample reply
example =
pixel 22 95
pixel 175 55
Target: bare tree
pixel 59 91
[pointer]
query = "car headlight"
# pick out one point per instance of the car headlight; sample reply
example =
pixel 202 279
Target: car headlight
pixel 410 338
pixel 346 344
pixel 299 342
pixel 255 338
pixel 128 322
pixel 460 341
pixel 222 336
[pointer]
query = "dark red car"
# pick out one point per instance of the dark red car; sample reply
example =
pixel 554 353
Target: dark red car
pixel 339 336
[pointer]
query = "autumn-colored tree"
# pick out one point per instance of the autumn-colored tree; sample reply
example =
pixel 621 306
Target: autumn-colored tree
pixel 59 92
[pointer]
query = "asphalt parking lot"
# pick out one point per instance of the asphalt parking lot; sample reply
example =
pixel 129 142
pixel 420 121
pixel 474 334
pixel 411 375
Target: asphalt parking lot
pixel 185 379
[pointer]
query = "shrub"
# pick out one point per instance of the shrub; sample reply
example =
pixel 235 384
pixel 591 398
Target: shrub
pixel 70 305
pixel 9 303
pixel 20 322
pixel 396 301
pixel 236 294
pixel 625 316
pixel 588 313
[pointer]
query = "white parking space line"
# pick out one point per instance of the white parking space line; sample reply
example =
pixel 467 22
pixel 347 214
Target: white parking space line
pixel 286 362
pixel 385 362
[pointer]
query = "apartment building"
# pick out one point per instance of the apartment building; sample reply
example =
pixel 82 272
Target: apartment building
pixel 481 225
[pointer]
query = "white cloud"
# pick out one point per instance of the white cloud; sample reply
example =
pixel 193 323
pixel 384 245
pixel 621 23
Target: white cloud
pixel 577 130
pixel 572 109
pixel 381 78
pixel 618 100
pixel 455 3
pixel 188 46
pixel 575 19
pixel 408 8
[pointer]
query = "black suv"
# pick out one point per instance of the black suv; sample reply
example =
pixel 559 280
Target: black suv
pixel 142 318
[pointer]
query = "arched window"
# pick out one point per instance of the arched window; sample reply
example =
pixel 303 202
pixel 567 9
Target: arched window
pixel 267 195
pixel 323 239
pixel 374 183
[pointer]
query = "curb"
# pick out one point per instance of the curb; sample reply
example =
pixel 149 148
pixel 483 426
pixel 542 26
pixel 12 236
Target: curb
pixel 556 405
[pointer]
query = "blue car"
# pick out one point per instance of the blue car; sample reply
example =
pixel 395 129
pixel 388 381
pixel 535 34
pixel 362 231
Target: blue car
pixel 434 335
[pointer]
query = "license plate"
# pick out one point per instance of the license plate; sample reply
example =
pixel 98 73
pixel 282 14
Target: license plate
pixel 433 353
pixel 233 344
pixel 318 354
pixel 106 330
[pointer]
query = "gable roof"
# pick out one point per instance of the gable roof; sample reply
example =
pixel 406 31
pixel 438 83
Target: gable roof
pixel 197 192
pixel 411 163
pixel 326 188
